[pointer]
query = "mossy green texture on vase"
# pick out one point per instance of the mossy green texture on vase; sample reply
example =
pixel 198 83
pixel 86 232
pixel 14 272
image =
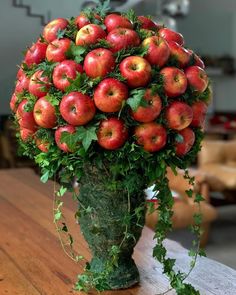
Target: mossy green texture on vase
pixel 113 221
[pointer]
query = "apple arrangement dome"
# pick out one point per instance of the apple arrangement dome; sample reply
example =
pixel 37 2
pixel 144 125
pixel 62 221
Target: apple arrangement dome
pixel 112 100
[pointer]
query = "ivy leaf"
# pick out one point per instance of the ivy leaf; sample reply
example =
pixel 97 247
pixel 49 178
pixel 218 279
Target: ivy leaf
pixel 136 99
pixel 44 178
pixel 57 216
pixel 61 33
pixel 179 138
pixel 61 191
pixel 197 218
pixel 198 198
pixel 70 139
pixel 76 52
pixel 86 135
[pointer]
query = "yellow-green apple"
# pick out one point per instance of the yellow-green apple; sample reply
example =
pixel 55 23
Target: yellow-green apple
pixel 158 50
pixel 39 84
pixel 56 50
pixel 136 70
pixel 22 83
pixel 64 72
pixel 197 78
pixel 113 21
pixel 13 102
pixel 184 145
pixel 181 54
pixel 179 115
pixel 174 81
pixel 151 110
pixel 36 53
pixel 25 119
pixel 51 30
pixel 77 108
pixel 110 94
pixel 112 133
pixel 26 134
pixel 82 20
pixel 99 62
pixel 152 136
pixel 89 34
pixel 42 144
pixel 121 38
pixel 170 35
pixel 199 109
pixel 44 113
pixel 58 134
pixel 147 23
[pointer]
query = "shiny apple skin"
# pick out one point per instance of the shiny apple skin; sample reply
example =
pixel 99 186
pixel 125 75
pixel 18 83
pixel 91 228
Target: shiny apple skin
pixel 36 53
pixel 113 21
pixel 181 54
pixel 25 119
pixel 67 69
pixel 112 133
pixel 199 109
pixel 152 136
pixel 170 35
pixel 57 49
pixel 58 133
pixel 89 34
pixel 182 148
pixel 77 108
pixel 35 85
pixel 99 62
pixel 197 78
pixel 51 29
pixel 44 113
pixel 150 112
pixel 136 70
pixel 179 115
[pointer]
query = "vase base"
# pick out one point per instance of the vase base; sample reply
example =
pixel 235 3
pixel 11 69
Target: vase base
pixel 123 276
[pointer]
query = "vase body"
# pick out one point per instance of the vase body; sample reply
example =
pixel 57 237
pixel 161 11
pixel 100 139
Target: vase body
pixel 110 220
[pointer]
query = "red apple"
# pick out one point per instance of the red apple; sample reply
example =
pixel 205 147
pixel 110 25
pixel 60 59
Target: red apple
pixel 63 72
pixel 56 51
pixel 122 38
pixel 82 20
pixel 112 133
pixel 199 109
pixel 151 136
pixel 58 133
pixel 110 94
pixel 42 144
pixel 197 78
pixel 25 119
pixel 181 54
pixel 39 84
pixel 170 35
pixel 36 53
pixel 179 115
pixel 113 21
pixel 44 113
pixel 26 134
pixel 77 108
pixel 89 34
pixel 99 62
pixel 174 81
pixel 197 60
pixel 136 70
pixel 51 29
pixel 188 139
pixel 22 83
pixel 150 112
pixel 13 103
pixel 20 73
pixel 158 50
pixel 146 23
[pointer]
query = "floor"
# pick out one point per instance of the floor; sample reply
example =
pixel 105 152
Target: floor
pixel 222 241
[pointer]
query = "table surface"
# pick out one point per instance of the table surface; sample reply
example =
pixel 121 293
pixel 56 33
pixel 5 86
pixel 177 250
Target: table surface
pixel 32 261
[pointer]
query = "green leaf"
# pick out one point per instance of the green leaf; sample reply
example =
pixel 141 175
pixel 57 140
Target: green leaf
pixel 86 135
pixel 77 52
pixel 70 139
pixel 136 99
pixel 57 215
pixel 44 178
pixel 198 198
pixel 61 33
pixel 197 218
pixel 179 138
pixel 61 191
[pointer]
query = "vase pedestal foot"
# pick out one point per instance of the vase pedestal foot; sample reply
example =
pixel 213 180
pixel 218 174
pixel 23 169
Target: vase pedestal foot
pixel 122 276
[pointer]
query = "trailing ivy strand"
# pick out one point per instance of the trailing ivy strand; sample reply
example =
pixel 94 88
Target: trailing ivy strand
pixel 115 173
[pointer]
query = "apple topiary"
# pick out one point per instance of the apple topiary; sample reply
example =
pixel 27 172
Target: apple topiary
pixel 112 100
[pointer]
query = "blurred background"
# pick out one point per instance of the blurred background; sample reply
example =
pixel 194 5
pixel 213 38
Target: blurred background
pixel 209 28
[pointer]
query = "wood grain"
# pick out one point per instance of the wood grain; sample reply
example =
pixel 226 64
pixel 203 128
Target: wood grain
pixel 32 261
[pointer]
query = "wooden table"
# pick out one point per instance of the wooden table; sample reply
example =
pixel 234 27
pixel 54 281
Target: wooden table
pixel 32 261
